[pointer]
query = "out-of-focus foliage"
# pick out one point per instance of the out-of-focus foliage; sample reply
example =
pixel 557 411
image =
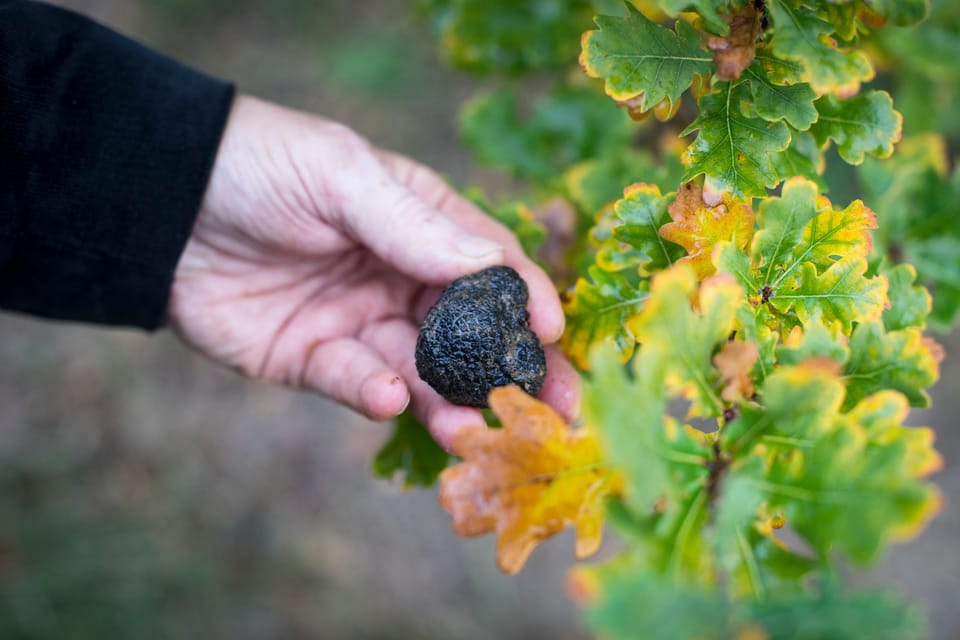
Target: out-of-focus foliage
pixel 508 36
pixel 412 454
pixel 517 217
pixel 629 599
pixel 922 63
pixel 564 127
pixel 917 197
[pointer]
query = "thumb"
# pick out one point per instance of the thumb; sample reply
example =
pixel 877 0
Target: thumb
pixel 415 238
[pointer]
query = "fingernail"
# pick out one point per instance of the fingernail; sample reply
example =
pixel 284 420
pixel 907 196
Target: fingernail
pixel 476 247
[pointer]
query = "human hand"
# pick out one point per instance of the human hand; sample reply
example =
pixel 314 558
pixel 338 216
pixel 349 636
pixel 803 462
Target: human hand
pixel 315 257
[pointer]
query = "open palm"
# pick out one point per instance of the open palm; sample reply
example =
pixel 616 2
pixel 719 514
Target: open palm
pixel 315 257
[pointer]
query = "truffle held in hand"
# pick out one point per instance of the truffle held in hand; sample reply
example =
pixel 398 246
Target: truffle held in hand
pixel 476 337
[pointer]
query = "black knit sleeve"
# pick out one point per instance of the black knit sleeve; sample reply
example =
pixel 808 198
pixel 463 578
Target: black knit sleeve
pixel 105 151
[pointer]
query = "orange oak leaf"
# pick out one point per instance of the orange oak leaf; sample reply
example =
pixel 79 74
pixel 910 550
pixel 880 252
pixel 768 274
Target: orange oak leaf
pixel 735 361
pixel 698 226
pixel 526 481
pixel 735 52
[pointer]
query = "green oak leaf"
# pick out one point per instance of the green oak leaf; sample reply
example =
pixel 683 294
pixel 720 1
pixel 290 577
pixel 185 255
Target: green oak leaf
pixel 640 214
pixel 638 57
pixel 754 325
pixel 628 414
pixel 882 416
pixel 669 328
pixel 902 360
pixel 735 151
pixel 846 481
pixel 667 538
pixel 613 254
pixel 779 70
pixel 841 294
pixel 728 258
pixel 802 158
pixel 910 304
pixel 598 311
pixel 861 615
pixel 800 404
pixel 757 564
pixel 816 341
pixel 411 453
pixel 806 249
pixel 773 102
pixel 628 597
pixel 863 124
pixel 848 492
pixel 781 223
pixel 800 35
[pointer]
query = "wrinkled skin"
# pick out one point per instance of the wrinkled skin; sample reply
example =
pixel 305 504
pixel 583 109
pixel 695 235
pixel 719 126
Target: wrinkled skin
pixel 476 337
pixel 316 255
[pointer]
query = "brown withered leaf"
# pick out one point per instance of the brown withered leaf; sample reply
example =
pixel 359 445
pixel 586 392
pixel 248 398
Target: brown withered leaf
pixel 735 361
pixel 526 481
pixel 734 53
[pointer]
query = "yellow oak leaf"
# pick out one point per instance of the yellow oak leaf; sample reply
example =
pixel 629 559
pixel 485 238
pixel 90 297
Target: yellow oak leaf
pixel 698 227
pixel 527 481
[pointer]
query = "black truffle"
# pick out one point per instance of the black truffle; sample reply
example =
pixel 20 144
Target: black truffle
pixel 476 337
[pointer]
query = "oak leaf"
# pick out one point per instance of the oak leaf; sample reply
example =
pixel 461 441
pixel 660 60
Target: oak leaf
pixel 736 51
pixel 774 101
pixel 734 148
pixel 698 227
pixel 682 339
pixel 597 311
pixel 642 61
pixel 526 481
pixel 864 124
pixel 803 37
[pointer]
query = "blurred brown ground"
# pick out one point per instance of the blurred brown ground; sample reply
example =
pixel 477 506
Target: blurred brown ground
pixel 164 497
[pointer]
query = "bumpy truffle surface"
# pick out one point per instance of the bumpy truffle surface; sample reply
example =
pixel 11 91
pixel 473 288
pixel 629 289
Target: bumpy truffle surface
pixel 476 337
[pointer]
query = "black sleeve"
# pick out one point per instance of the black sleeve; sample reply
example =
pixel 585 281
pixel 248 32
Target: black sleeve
pixel 105 151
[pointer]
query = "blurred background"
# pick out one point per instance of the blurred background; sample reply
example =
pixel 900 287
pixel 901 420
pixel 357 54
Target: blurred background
pixel 145 493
